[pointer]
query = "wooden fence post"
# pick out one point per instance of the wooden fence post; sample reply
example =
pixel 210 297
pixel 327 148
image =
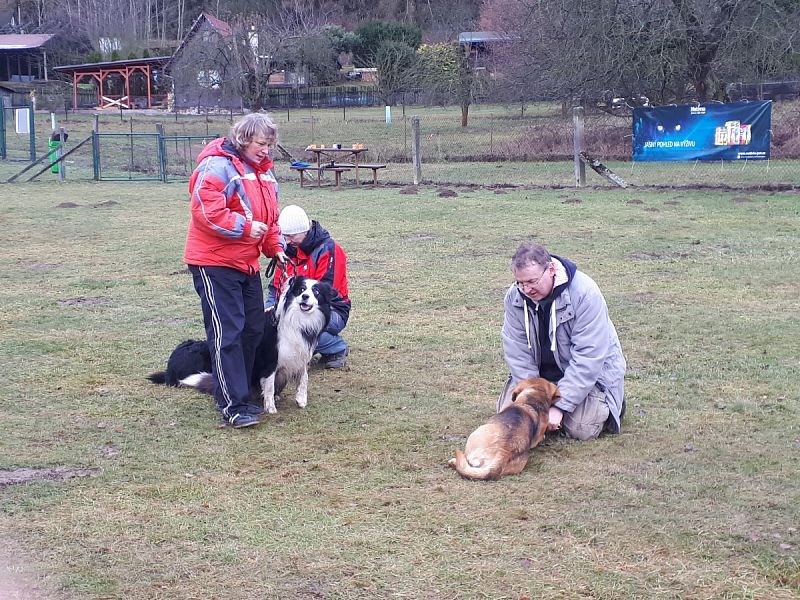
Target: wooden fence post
pixel 416 150
pixel 580 168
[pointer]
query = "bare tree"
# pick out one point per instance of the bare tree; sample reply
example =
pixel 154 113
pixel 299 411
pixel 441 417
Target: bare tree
pixel 261 45
pixel 667 50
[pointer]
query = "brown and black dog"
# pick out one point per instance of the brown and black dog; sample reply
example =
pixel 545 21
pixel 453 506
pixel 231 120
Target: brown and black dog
pixel 501 446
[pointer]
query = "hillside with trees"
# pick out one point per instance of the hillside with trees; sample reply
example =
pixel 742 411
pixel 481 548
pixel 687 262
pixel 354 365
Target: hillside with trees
pixel 601 52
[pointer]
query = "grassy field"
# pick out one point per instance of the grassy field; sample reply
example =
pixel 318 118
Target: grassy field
pixel 132 491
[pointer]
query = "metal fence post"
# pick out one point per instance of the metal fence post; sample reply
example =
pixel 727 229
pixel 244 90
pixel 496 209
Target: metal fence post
pixel 580 168
pixel 96 146
pixel 162 152
pixel 62 168
pixel 416 150
pixel 3 154
pixel 32 131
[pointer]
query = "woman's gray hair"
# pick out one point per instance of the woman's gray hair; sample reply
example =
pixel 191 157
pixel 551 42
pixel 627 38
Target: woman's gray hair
pixel 528 254
pixel 252 126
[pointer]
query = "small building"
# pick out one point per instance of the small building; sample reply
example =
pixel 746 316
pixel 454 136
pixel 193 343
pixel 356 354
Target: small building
pixel 198 65
pixel 479 45
pixel 363 74
pixel 23 56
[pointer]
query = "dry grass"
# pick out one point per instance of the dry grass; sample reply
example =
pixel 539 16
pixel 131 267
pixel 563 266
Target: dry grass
pixel 351 498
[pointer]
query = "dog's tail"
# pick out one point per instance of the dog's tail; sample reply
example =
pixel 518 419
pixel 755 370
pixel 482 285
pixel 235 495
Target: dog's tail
pixel 490 471
pixel 202 382
pixel 159 377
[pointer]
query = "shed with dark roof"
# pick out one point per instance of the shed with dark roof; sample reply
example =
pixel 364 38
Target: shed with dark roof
pixel 23 56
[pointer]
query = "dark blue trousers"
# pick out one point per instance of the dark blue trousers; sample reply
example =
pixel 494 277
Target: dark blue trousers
pixel 233 315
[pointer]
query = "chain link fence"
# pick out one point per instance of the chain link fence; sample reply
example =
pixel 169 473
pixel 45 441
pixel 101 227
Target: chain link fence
pixel 524 145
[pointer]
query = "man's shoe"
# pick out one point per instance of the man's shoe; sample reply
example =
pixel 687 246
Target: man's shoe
pixel 242 420
pixel 336 361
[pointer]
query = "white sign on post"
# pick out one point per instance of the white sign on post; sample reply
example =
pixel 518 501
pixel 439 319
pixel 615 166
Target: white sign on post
pixel 388 114
pixel 22 117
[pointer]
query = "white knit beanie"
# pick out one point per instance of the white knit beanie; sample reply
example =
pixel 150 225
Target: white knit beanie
pixel 293 219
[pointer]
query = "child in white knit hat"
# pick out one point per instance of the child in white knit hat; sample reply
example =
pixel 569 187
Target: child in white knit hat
pixel 313 253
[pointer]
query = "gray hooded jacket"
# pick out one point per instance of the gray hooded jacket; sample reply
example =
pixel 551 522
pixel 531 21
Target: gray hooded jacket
pixel 582 337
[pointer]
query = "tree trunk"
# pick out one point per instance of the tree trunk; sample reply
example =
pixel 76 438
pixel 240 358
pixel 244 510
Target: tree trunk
pixel 464 114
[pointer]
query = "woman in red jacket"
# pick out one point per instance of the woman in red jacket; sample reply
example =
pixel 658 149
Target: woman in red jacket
pixel 234 219
pixel 312 252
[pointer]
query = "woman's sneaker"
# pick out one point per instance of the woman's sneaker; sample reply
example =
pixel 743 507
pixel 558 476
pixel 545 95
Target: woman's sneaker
pixel 242 420
pixel 336 361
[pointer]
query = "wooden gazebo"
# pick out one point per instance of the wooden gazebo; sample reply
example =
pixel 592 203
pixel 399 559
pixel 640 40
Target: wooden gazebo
pixel 110 95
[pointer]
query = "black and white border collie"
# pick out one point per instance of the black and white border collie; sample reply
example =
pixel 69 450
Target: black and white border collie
pixel 291 333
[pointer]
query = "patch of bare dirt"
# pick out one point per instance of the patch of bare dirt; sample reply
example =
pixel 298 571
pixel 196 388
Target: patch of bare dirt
pixel 646 256
pixel 81 301
pixel 500 191
pixel 672 203
pixel 445 193
pixel 635 201
pixel 106 204
pixel 26 475
pixel 179 321
pixel 409 190
pixel 573 201
pixel 67 205
pixel 19 579
pixel 651 209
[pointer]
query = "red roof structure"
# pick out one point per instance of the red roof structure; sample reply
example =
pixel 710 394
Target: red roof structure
pixel 114 79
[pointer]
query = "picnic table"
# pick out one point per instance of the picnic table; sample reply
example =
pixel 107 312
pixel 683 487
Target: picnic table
pixel 328 159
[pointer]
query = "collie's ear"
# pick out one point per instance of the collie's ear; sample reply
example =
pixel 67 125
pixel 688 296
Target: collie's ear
pixel 326 290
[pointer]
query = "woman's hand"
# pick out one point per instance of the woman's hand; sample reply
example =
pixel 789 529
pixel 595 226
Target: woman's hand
pixel 258 229
pixel 282 258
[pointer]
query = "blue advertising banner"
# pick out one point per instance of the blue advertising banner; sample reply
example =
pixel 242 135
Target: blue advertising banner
pixel 735 131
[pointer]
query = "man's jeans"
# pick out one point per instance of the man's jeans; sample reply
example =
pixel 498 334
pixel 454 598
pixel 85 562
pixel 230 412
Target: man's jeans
pixel 330 342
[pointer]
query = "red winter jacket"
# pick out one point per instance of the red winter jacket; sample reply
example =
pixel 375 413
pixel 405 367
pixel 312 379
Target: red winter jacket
pixel 227 195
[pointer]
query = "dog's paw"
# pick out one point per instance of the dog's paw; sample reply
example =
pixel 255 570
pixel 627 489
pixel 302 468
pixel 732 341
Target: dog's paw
pixel 269 406
pixel 301 401
pixel 451 463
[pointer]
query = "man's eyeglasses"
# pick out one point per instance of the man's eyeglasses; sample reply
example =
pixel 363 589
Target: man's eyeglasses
pixel 533 282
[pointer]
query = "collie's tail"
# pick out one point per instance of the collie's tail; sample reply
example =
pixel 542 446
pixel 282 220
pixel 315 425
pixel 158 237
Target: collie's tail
pixel 202 382
pixel 159 377
pixel 490 471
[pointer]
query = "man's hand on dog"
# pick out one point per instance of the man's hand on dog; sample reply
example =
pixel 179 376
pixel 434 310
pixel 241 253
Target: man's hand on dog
pixel 554 419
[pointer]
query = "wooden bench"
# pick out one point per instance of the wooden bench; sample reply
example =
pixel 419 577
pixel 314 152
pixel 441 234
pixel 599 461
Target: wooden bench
pixel 374 172
pixel 337 171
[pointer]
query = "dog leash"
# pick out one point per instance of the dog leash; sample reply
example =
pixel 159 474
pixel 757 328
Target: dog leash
pixel 269 273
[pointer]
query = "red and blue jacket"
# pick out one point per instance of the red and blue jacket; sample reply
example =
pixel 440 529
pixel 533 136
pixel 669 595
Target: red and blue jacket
pixel 227 195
